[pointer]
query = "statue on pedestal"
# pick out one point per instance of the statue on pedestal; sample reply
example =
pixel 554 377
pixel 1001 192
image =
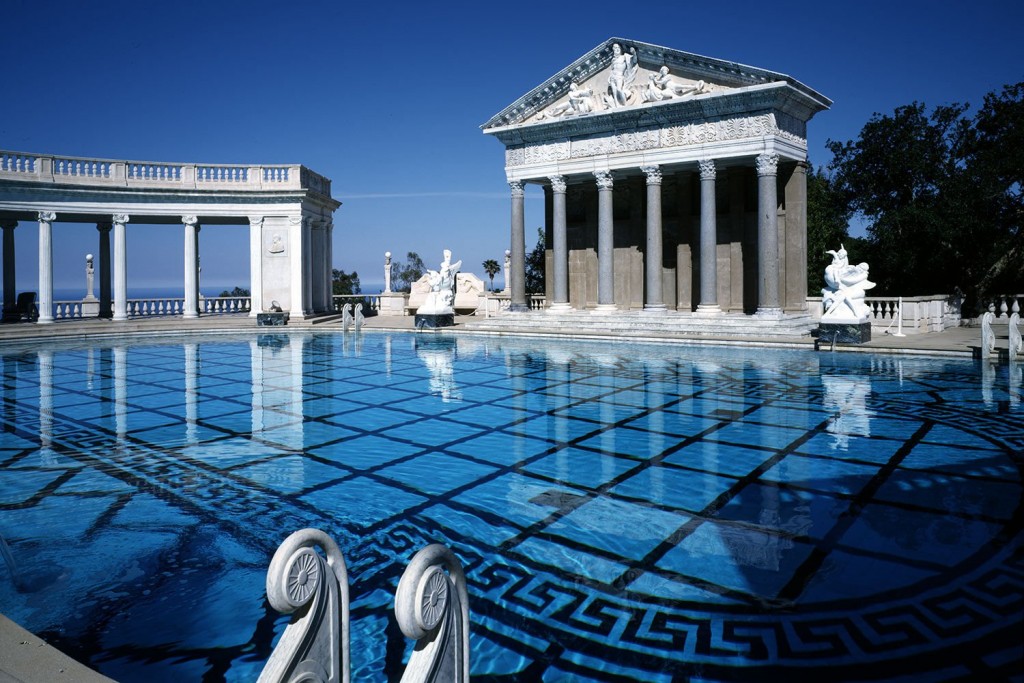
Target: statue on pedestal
pixel 387 272
pixel 843 298
pixel 442 288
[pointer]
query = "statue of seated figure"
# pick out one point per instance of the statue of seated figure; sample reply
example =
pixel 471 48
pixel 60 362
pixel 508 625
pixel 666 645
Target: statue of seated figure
pixel 843 298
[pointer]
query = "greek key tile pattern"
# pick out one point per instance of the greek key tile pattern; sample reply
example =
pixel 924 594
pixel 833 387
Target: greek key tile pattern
pixel 623 512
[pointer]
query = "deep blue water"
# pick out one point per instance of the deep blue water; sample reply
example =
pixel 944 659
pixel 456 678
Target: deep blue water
pixel 623 512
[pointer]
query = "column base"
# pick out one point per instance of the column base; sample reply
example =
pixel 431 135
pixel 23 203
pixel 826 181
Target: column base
pixel 604 309
pixel 654 309
pixel 559 307
pixel 769 313
pixel 44 321
pixel 708 310
pixel 189 315
pixel 518 308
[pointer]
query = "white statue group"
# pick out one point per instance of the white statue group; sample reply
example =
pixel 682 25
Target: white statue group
pixel 843 298
pixel 442 288
pixel 621 89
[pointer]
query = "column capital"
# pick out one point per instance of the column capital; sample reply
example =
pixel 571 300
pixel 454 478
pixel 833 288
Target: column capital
pixel 104 226
pixel 190 221
pixel 707 169
pixel 604 180
pixel 256 221
pixel 120 218
pixel 295 220
pixel 653 174
pixel 557 183
pixel 8 224
pixel 516 186
pixel 767 164
pixel 47 216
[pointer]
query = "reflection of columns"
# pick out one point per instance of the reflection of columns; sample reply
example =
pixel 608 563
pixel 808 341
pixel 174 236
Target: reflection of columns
pixel 46 219
pixel 560 261
pixel 120 393
pixel 191 266
pixel 255 265
pixel 605 243
pixel 120 267
pixel 767 236
pixel 655 298
pixel 45 359
pixel 10 284
pixel 104 254
pixel 708 240
pixel 191 392
pixel 518 274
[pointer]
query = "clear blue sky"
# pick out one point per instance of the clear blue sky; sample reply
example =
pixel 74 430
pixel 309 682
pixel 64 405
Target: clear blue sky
pixel 386 99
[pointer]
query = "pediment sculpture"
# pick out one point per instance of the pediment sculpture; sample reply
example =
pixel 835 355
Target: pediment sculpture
pixel 622 85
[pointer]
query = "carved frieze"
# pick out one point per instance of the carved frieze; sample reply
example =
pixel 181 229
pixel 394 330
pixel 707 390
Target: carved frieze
pixel 690 134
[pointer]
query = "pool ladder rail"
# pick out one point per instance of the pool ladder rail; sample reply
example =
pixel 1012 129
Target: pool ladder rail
pixel 431 607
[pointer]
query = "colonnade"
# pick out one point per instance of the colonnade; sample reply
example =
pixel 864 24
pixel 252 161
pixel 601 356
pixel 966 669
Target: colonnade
pixel 311 275
pixel 769 303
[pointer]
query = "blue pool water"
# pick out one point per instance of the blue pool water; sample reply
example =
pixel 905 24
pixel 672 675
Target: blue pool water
pixel 623 512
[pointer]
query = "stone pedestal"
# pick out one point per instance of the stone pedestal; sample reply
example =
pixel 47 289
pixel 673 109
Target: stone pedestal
pixel 430 321
pixel 845 332
pixel 90 307
pixel 392 303
pixel 275 319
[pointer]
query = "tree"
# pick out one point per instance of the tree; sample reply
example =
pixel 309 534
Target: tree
pixel 343 283
pixel 828 218
pixel 941 193
pixel 404 274
pixel 535 266
pixel 491 267
pixel 237 291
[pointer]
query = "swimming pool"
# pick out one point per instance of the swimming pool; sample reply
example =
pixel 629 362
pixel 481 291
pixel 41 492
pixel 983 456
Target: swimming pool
pixel 623 511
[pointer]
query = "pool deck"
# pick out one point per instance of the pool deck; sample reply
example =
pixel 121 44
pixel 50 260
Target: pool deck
pixel 959 341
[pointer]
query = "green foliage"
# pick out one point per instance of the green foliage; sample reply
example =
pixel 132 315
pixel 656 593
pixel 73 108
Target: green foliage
pixel 491 267
pixel 404 274
pixel 237 291
pixel 828 218
pixel 345 283
pixel 941 193
pixel 535 266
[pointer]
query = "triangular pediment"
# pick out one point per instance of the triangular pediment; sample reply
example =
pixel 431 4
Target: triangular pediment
pixel 620 75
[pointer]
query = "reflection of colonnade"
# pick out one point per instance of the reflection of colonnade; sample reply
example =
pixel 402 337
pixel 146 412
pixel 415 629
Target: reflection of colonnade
pixel 288 209
pixel 692 202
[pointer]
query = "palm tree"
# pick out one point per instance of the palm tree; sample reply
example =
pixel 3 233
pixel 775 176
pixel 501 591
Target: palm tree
pixel 491 267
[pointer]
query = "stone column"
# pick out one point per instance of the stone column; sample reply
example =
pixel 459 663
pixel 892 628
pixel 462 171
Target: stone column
pixel 329 258
pixel 10 284
pixel 560 261
pixel 191 266
pixel 46 219
pixel 794 298
pixel 120 266
pixel 605 243
pixel 106 311
pixel 295 262
pixel 518 248
pixel 708 240
pixel 767 236
pixel 654 302
pixel 255 265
